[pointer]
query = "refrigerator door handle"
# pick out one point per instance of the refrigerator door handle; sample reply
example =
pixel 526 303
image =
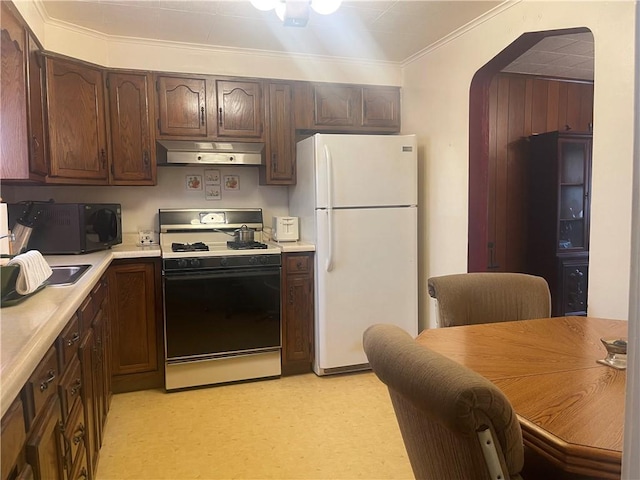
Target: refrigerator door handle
pixel 329 263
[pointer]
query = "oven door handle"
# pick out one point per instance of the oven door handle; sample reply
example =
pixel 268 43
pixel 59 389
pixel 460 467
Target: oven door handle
pixel 259 272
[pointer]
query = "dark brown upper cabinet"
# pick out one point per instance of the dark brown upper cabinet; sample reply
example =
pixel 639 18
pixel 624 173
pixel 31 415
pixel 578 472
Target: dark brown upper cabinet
pixel 183 106
pixel 381 107
pixel 280 158
pixel 77 128
pixel 335 105
pixel 240 113
pixel 132 135
pixel 346 108
pixel 21 129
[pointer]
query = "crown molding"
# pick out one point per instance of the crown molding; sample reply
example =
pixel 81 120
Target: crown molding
pixel 461 31
pixel 112 39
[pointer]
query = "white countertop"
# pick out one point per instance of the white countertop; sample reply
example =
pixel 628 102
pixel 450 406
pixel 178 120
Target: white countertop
pixel 287 247
pixel 28 329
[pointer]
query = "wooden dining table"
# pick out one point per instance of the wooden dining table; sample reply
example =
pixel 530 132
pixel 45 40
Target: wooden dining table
pixel 570 407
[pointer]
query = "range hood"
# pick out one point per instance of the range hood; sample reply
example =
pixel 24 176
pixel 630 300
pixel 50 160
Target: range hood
pixel 182 152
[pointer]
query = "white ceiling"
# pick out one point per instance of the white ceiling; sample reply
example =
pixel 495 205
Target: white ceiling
pixel 393 30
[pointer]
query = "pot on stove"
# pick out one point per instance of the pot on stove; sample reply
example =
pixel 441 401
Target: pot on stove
pixel 243 234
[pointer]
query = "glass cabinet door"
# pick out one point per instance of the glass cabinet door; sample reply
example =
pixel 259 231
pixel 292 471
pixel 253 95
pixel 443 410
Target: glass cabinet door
pixel 573 195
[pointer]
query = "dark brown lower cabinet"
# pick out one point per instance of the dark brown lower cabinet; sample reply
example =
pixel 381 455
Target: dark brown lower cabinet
pixel 53 429
pixel 135 311
pixel 574 273
pixel 297 312
pixel 12 462
pixel 44 446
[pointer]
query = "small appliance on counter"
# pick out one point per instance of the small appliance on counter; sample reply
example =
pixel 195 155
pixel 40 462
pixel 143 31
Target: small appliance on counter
pixel 68 228
pixel 285 229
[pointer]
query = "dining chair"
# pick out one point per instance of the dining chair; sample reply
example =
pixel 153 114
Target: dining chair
pixel 455 424
pixel 485 297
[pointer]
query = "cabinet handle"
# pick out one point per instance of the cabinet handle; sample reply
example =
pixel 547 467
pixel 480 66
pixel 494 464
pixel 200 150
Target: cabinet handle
pixel 220 116
pixel 34 147
pixel 274 162
pixel 76 387
pixel 45 384
pixel 103 158
pixel 299 264
pixel 73 339
pixel 291 296
pixel 77 438
pixel 492 257
pixel 145 158
pixel 202 116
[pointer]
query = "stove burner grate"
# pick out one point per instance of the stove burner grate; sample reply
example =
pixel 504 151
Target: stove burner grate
pixel 189 247
pixel 245 245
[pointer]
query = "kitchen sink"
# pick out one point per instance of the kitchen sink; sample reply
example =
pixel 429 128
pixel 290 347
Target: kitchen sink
pixel 64 275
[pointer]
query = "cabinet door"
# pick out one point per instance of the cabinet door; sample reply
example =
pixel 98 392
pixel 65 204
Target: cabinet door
pixel 297 318
pixel 97 375
pixel 182 106
pixel 37 160
pixel 381 107
pixel 136 333
pixel 132 140
pixel 335 105
pixel 280 163
pixel 92 441
pixel 14 153
pixel 574 159
pixel 239 109
pixel 44 446
pixel 76 112
pixel 574 283
pixel 12 440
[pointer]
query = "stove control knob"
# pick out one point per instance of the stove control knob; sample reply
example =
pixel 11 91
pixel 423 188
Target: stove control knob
pixel 224 261
pixel 194 262
pixel 263 260
pixel 253 260
pixel 182 263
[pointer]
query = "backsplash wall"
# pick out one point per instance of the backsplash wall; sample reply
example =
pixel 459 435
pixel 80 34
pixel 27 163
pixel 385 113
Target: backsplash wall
pixel 140 204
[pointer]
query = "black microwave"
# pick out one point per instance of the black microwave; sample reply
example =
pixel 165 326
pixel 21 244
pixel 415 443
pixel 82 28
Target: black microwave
pixel 67 228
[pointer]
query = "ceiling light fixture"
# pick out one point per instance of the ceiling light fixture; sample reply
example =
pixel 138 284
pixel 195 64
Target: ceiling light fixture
pixel 295 13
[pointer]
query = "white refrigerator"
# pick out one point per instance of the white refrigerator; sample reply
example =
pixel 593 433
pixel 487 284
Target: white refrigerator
pixel 356 198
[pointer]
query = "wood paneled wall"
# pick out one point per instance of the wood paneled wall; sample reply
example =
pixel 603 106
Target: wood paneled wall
pixel 519 106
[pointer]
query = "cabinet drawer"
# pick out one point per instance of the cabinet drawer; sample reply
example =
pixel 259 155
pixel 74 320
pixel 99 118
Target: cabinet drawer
pixel 68 343
pixel 13 437
pixel 298 264
pixel 42 384
pixel 70 387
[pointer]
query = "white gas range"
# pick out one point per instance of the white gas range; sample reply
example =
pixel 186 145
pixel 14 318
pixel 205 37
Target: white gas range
pixel 222 298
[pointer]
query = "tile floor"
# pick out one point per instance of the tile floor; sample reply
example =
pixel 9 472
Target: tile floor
pixel 299 427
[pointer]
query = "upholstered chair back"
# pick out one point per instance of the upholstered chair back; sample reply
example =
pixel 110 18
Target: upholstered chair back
pixel 471 298
pixel 455 424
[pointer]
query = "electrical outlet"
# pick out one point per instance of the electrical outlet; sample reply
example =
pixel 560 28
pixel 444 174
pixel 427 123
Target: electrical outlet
pixel 145 237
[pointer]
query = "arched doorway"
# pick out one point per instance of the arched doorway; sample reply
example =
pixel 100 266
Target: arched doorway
pixel 485 254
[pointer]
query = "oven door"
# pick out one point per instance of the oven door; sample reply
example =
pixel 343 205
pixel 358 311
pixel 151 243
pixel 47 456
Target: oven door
pixel 222 312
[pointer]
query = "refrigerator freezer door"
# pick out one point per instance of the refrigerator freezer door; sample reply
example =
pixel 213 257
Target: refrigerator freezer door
pixel 366 170
pixel 373 280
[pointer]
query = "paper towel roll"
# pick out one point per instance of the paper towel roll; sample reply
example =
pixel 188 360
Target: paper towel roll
pixel 4 229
